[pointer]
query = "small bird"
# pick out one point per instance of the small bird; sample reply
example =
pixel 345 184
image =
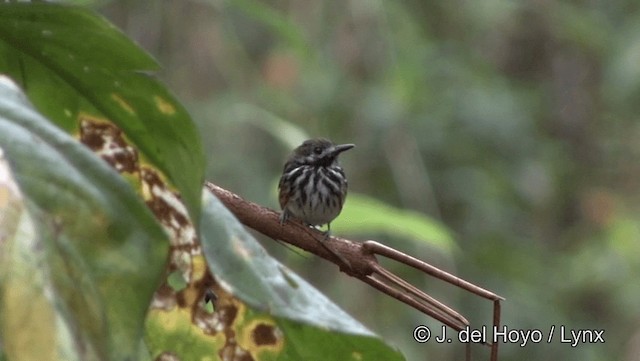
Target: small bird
pixel 313 186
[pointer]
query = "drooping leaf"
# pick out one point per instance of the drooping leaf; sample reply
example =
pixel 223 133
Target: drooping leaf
pixel 313 327
pixel 263 311
pixel 86 254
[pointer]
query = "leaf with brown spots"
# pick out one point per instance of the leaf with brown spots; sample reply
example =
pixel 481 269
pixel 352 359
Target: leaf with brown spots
pixel 284 315
pixel 86 254
pixel 75 64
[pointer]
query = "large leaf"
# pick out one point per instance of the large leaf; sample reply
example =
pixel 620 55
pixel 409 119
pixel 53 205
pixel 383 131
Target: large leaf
pixel 314 328
pixel 72 62
pixel 263 310
pixel 83 253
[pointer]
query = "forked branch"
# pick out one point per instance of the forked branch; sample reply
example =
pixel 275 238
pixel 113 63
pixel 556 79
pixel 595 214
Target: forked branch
pixel 358 259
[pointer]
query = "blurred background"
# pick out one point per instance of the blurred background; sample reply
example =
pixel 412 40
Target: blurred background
pixel 514 123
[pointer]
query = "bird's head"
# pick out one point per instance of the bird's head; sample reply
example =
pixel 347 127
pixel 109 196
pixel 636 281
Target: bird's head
pixel 319 152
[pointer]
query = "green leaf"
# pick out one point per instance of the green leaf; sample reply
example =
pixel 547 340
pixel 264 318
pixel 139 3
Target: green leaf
pixel 314 328
pixel 72 62
pixel 362 214
pixel 23 282
pixel 85 255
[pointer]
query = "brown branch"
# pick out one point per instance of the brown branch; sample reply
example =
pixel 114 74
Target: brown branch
pixel 267 222
pixel 358 259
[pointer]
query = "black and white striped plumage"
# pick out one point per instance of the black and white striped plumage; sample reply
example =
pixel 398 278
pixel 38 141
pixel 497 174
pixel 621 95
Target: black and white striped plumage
pixel 313 186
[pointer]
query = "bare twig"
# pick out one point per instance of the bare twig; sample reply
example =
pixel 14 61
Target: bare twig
pixel 358 259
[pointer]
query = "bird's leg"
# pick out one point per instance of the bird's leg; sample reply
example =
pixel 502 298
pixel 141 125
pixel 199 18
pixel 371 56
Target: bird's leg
pixel 326 235
pixel 284 216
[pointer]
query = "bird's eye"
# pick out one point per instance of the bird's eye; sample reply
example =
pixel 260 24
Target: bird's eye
pixel 317 150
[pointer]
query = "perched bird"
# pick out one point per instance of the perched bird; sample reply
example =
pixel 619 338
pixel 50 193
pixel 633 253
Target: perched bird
pixel 313 186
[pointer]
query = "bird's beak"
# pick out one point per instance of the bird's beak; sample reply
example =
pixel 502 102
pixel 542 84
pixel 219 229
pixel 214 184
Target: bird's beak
pixel 341 148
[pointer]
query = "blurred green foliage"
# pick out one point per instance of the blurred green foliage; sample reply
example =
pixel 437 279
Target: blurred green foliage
pixel 515 123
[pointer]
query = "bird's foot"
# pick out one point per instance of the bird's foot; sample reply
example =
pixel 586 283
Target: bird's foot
pixel 284 215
